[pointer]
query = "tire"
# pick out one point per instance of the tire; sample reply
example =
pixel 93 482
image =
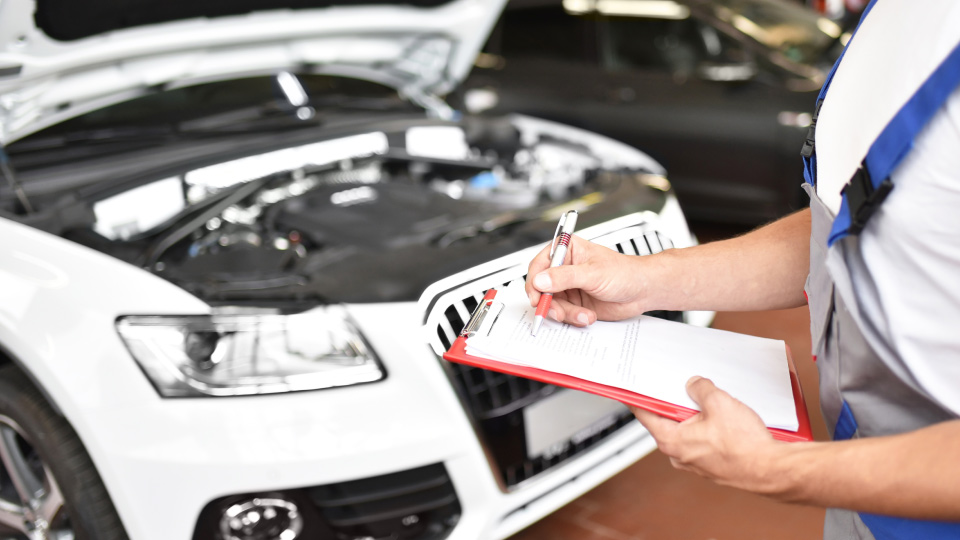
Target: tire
pixel 53 465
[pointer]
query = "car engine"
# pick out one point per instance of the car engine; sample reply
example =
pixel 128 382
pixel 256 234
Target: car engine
pixel 367 217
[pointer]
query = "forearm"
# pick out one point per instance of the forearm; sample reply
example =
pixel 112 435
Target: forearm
pixel 764 269
pixel 914 475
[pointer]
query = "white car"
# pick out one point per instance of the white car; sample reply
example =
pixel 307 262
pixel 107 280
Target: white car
pixel 216 224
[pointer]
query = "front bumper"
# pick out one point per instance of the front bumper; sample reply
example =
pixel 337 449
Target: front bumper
pixel 166 459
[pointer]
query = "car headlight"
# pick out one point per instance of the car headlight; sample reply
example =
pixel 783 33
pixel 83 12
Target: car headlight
pixel 243 354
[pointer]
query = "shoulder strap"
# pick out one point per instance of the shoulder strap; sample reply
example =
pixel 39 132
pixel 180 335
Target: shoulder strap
pixel 871 183
pixel 809 144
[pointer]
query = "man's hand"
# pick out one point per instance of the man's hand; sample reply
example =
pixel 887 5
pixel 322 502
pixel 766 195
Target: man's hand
pixel 913 474
pixel 594 283
pixel 764 269
pixel 726 442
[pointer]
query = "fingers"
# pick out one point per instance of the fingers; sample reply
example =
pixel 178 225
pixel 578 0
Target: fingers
pixel 725 442
pixel 576 254
pixel 539 263
pixel 563 278
pixel 666 432
pixel 565 311
pixel 681 466
pixel 662 429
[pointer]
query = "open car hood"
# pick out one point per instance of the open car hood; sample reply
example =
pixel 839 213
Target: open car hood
pixel 49 72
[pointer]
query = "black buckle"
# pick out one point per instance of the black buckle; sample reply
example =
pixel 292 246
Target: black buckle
pixel 810 141
pixel 862 198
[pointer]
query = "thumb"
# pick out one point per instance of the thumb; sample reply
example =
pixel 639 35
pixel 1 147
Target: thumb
pixel 562 278
pixel 703 392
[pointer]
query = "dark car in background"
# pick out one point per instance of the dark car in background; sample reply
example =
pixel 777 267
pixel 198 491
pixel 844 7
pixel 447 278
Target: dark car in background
pixel 720 92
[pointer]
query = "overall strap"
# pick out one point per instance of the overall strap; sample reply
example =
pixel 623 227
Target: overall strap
pixel 809 144
pixel 871 183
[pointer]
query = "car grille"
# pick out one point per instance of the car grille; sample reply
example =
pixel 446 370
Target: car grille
pixel 496 400
pixel 416 504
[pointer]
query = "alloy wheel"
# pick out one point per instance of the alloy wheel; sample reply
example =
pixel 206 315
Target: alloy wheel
pixel 31 503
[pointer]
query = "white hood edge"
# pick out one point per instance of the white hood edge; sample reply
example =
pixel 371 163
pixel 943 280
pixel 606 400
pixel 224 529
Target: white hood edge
pixel 423 52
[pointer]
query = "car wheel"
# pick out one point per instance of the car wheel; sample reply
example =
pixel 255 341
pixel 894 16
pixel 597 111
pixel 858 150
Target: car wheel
pixel 49 488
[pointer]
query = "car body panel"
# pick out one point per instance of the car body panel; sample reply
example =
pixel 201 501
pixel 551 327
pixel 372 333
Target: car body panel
pixel 58 306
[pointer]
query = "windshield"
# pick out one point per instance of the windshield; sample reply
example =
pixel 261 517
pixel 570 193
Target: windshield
pixel 797 33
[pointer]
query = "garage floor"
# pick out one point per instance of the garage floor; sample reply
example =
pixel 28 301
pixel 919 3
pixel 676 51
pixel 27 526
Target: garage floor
pixel 652 501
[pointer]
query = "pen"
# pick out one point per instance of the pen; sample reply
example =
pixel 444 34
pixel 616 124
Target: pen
pixel 558 252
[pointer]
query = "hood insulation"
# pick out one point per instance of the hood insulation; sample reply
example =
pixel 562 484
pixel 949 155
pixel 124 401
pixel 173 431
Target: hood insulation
pixel 68 20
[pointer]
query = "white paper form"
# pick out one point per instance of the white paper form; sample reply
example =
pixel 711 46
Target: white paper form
pixel 646 355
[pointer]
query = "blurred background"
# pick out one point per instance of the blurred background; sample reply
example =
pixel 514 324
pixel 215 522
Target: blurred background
pixel 721 93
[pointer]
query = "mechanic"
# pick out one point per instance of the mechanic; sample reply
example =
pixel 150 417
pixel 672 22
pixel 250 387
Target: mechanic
pixel 881 268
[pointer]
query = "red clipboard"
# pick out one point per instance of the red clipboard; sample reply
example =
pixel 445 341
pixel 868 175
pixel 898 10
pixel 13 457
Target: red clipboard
pixel 457 354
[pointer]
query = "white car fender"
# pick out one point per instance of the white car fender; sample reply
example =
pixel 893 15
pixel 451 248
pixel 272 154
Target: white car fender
pixel 58 305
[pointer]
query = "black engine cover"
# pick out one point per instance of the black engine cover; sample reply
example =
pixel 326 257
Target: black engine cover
pixel 377 216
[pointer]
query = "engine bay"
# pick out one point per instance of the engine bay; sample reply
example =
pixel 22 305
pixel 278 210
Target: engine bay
pixel 369 217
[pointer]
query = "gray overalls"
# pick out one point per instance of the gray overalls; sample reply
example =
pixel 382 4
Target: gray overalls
pixel 862 393
pixel 866 389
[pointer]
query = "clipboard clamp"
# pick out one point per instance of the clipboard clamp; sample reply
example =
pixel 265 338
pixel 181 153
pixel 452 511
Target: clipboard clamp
pixel 479 315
